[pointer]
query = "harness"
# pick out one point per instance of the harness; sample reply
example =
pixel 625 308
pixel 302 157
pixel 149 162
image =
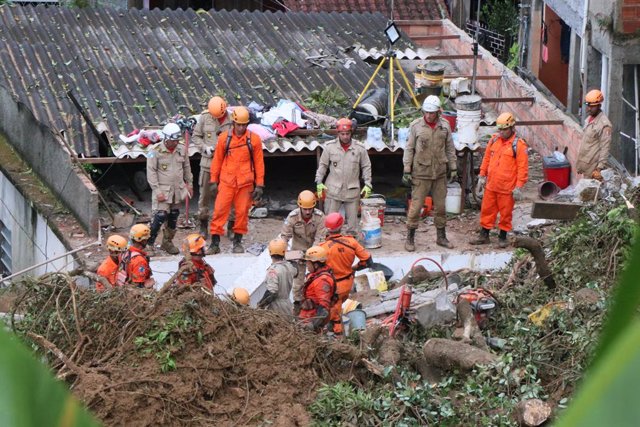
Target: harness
pixel 343 243
pixel 122 277
pixel 514 145
pixel 249 147
pixel 334 281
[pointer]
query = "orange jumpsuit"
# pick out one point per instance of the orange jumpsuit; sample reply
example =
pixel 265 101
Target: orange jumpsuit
pixel 504 172
pixel 134 268
pixel 109 270
pixel 236 174
pixel 202 273
pixel 341 252
pixel 319 289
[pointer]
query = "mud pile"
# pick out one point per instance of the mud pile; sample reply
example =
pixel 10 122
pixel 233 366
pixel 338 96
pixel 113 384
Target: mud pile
pixel 184 357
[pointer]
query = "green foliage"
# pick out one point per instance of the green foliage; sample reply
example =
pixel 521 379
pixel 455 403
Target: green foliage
pixel 514 57
pixel 330 100
pixel 92 170
pixel 164 338
pixel 501 16
pixel 29 395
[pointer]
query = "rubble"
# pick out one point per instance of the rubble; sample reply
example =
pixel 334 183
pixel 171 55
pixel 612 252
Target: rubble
pixel 532 412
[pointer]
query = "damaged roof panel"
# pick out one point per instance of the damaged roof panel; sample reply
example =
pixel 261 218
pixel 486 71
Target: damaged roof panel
pixel 136 68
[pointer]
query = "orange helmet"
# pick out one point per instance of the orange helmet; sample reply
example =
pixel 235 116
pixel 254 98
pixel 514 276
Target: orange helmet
pixel 316 254
pixel 195 242
pixel 116 243
pixel 217 107
pixel 594 97
pixel 277 247
pixel 240 115
pixel 240 295
pixel 334 221
pixel 140 232
pixel 344 125
pixel 307 199
pixel 505 120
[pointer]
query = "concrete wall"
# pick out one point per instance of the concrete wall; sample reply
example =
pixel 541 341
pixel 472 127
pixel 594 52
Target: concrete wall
pixel 32 241
pixel 37 145
pixel 571 11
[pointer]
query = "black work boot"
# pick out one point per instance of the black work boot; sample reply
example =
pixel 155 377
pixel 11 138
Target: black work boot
pixel 482 239
pixel 237 244
pixel 230 229
pixel 502 239
pixel 442 238
pixel 214 247
pixel 410 243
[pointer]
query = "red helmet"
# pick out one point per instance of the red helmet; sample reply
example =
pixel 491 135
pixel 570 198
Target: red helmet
pixel 334 221
pixel 344 125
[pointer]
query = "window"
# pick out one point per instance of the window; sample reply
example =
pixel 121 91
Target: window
pixel 5 250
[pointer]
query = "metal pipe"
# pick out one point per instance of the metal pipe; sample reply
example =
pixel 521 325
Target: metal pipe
pixel 475 51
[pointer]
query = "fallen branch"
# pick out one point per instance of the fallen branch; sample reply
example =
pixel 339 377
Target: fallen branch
pixel 57 352
pixel 449 355
pixel 542 267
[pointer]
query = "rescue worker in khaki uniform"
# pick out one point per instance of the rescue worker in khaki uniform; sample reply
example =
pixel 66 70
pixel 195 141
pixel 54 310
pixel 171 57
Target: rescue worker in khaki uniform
pixel 347 161
pixel 319 290
pixel 109 267
pixel 197 269
pixel 134 267
pixel 205 136
pixel 429 160
pixel 504 170
pixel 341 253
pixel 303 226
pixel 237 171
pixel 594 149
pixel 279 280
pixel 170 179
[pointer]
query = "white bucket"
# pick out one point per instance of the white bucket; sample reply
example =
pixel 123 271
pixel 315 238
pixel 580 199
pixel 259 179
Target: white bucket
pixel 453 202
pixel 468 123
pixel 346 326
pixel 371 231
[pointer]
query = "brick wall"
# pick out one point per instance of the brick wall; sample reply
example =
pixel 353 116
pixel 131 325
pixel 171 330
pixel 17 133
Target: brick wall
pixel 630 16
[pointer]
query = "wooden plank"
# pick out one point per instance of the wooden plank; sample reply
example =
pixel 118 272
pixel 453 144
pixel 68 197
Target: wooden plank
pixel 455 76
pixel 424 22
pixel 511 99
pixel 453 56
pixel 539 122
pixel 110 160
pixel 436 37
pixel 554 210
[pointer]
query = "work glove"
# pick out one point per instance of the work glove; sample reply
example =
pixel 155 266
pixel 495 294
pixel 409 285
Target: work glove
pixel 208 150
pixel 213 187
pixel 452 174
pixel 480 185
pixel 596 175
pixel 406 179
pixel 257 192
pixel 366 192
pixel 320 188
pixel 517 194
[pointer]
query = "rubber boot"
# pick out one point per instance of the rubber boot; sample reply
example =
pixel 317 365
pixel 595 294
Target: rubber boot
pixel 167 241
pixel 410 243
pixel 482 239
pixel 230 229
pixel 442 238
pixel 237 244
pixel 502 239
pixel 214 247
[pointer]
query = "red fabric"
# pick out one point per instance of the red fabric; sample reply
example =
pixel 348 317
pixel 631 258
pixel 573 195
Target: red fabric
pixel 108 269
pixel 203 273
pixel 431 125
pixel 494 203
pixel 319 288
pixel 284 127
pixel 505 172
pixel 345 147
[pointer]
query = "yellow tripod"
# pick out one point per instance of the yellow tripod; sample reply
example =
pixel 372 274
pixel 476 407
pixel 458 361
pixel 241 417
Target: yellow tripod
pixel 393 62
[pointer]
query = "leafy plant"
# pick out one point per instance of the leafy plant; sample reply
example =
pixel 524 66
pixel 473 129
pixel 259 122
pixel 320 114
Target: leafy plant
pixel 327 101
pixel 501 16
pixel 514 59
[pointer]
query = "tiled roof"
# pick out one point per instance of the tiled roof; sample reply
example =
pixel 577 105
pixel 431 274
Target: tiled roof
pixel 402 9
pixel 135 68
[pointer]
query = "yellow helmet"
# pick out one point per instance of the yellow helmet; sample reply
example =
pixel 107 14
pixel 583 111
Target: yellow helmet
pixel 117 243
pixel 240 115
pixel 316 254
pixel 195 242
pixel 217 107
pixel 240 295
pixel 307 199
pixel 594 97
pixel 505 120
pixel 277 247
pixel 140 232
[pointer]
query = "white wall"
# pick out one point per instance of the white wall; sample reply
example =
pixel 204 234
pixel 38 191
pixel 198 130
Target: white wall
pixel 32 241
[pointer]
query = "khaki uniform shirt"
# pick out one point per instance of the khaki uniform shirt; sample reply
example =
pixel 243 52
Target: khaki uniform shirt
pixel 429 151
pixel 345 170
pixel 279 281
pixel 304 234
pixel 205 134
pixel 169 173
pixel 594 150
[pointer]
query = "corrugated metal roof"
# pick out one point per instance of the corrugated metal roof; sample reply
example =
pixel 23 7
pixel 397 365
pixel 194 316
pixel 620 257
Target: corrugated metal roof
pixel 135 68
pixel 402 9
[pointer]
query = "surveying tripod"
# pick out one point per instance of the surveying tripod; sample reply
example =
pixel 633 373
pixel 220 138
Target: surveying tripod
pixel 389 56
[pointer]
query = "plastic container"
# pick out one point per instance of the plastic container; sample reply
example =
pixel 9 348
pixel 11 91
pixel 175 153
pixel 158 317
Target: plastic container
pixel 357 320
pixel 556 171
pixel 468 103
pixel 373 106
pixel 371 231
pixel 468 122
pixel 375 204
pixel 346 326
pixel 453 202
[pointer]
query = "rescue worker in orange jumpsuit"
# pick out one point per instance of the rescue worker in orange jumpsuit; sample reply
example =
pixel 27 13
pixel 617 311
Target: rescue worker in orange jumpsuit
pixel 109 268
pixel 319 290
pixel 594 149
pixel 199 271
pixel 237 173
pixel 134 264
pixel 504 171
pixel 205 136
pixel 342 251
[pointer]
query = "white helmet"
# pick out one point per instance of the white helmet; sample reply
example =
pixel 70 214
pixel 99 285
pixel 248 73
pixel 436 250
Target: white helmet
pixel 431 104
pixel 171 131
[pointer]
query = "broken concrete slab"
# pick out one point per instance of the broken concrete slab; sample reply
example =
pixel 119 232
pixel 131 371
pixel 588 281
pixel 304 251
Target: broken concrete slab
pixel 587 190
pixel 538 223
pixel 438 311
pixel 554 210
